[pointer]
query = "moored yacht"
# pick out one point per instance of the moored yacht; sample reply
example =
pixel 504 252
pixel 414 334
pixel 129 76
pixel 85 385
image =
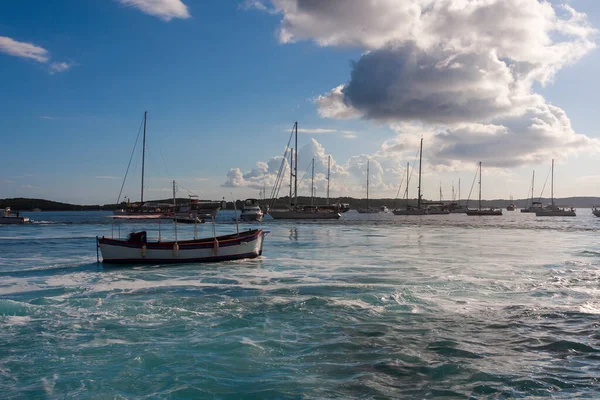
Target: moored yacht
pixel 251 211
pixel 483 211
pixel 552 210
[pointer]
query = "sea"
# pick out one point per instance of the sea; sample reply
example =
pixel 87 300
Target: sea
pixel 372 306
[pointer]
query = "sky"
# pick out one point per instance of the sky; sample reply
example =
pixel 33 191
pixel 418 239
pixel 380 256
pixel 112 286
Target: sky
pixel 510 83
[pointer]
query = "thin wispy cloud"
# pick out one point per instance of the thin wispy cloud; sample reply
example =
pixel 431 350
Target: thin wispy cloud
pixel 24 50
pixel 48 117
pixel 33 52
pixel 318 131
pixel 107 177
pixel 59 67
pixel 163 9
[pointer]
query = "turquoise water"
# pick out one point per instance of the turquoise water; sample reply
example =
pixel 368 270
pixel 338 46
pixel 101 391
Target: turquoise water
pixel 371 306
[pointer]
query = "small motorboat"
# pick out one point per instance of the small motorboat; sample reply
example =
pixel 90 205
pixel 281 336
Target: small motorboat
pixel 7 217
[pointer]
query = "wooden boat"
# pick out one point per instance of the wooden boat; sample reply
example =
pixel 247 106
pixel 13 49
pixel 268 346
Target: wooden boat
pixel 137 249
pixel 367 210
pixel 553 210
pixel 483 211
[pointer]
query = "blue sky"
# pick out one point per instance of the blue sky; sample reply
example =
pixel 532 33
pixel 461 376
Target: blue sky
pixel 223 87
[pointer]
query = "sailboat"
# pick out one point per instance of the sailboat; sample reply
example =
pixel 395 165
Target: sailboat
pixel 136 248
pixel 553 210
pixel 535 205
pixel 410 210
pixel 596 211
pixel 455 207
pixel 368 210
pixel 295 210
pixel 194 210
pixel 481 211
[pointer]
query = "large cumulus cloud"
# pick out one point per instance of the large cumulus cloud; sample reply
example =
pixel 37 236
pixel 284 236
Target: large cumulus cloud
pixel 469 68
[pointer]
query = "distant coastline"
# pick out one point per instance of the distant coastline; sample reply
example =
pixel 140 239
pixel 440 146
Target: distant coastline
pixel 29 204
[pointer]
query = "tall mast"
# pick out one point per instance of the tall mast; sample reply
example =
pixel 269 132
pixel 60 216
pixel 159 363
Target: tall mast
pixel 175 211
pixel 532 183
pixel 479 185
pixel 440 192
pixel 328 175
pixel 367 184
pixel 407 177
pixel 312 184
pixel 296 167
pixel 291 174
pixel 552 184
pixel 459 192
pixel 420 159
pixel 143 160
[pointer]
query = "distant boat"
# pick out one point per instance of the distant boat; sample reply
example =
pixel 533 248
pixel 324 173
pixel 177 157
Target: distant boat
pixel 295 210
pixel 535 205
pixel 553 210
pixel 511 206
pixel 412 210
pixel 483 211
pixel 368 210
pixel 596 211
pixel 154 210
pixel 7 217
pixel 251 211
pixel 137 249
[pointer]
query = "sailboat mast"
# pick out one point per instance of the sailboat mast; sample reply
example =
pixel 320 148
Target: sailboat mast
pixel 143 160
pixel 367 184
pixel 175 212
pixel 532 184
pixel 328 176
pixel 459 192
pixel 407 177
pixel 420 162
pixel 291 175
pixel 552 184
pixel 312 185
pixel 296 167
pixel 479 185
pixel 440 192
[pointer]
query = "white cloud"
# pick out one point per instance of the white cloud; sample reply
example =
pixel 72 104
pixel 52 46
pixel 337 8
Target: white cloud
pixel 59 67
pixel 24 50
pixel 107 177
pixel 465 70
pixel 317 131
pixel 163 9
pixel 28 50
pixel 349 177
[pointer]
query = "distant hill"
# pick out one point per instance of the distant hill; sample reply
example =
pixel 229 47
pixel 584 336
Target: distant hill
pixel 26 204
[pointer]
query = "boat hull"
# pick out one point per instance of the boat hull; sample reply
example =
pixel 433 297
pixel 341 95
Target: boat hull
pixel 13 220
pixel 409 212
pixel 481 213
pixel 222 248
pixel 284 214
pixel 555 214
pixel 365 211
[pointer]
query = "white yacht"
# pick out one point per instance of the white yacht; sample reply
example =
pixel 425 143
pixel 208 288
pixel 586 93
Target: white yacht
pixel 251 211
